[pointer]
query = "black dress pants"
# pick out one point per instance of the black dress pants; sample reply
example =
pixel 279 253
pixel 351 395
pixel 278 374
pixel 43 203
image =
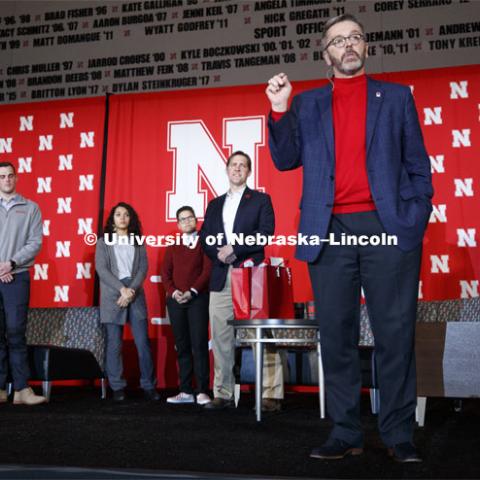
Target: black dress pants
pixel 190 328
pixel 389 277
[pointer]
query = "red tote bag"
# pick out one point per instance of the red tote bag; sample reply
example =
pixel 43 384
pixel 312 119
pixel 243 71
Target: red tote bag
pixel 262 292
pixel 240 283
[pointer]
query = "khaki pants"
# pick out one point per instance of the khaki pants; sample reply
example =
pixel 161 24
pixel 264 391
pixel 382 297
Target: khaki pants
pixel 223 344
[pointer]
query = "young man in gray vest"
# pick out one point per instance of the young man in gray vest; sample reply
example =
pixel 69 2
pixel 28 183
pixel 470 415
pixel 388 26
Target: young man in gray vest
pixel 20 242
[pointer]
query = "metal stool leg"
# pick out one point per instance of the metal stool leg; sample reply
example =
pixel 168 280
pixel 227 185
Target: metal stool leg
pixel 420 411
pixel 374 391
pixel 258 374
pixel 374 400
pixel 103 384
pixel 236 372
pixel 321 380
pixel 47 389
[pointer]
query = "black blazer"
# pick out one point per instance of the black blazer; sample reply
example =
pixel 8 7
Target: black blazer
pixel 254 215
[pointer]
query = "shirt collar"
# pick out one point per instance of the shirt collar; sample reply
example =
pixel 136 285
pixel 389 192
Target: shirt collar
pixel 13 199
pixel 237 194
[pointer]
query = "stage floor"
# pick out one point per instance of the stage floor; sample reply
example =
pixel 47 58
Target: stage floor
pixel 138 439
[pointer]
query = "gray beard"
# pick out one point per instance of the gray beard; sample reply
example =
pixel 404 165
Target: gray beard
pixel 351 68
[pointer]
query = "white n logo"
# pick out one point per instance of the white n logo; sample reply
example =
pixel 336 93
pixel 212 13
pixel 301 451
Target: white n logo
pixel 197 157
pixel 436 163
pixel 469 289
pixel 65 162
pixel 458 89
pixel 25 165
pixel 26 123
pixel 83 270
pixel 466 237
pixel 40 271
pixel 463 187
pixel 66 120
pixel 439 214
pixel 439 264
pixel 63 249
pixel 433 116
pixel 86 182
pixel 461 138
pixel 44 185
pixel 87 139
pixel 84 226
pixel 6 145
pixel 45 142
pixel 61 293
pixel 46 228
pixel 64 205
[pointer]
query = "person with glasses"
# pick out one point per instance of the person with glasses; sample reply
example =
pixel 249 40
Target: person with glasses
pixel 365 172
pixel 121 264
pixel 185 275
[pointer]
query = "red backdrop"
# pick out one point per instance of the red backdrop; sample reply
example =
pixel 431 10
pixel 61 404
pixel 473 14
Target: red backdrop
pixel 174 142
pixel 169 149
pixel 57 149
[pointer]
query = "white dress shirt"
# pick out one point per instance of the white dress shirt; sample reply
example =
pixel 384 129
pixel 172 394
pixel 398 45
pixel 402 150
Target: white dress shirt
pixel 230 207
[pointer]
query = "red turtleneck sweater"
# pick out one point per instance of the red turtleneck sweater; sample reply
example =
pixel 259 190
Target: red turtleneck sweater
pixel 349 108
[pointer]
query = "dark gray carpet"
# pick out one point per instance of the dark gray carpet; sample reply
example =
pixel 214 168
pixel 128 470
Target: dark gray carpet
pixel 77 429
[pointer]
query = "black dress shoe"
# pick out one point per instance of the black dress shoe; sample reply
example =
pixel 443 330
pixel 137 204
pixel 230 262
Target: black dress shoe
pixel 218 404
pixel 271 404
pixel 119 395
pixel 151 395
pixel 404 453
pixel 335 449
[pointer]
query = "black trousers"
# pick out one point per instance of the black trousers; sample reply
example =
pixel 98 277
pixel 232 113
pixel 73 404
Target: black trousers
pixel 389 278
pixel 190 328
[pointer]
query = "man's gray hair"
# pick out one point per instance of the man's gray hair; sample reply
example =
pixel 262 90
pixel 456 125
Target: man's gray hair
pixel 346 17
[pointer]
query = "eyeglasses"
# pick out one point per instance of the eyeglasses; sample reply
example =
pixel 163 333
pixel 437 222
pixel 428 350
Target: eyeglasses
pixel 340 42
pixel 186 219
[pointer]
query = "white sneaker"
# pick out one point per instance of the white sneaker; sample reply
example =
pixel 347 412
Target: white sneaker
pixel 182 397
pixel 203 399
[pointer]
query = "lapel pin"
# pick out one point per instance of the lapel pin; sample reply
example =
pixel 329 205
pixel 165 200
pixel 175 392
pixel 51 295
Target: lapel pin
pixel 378 94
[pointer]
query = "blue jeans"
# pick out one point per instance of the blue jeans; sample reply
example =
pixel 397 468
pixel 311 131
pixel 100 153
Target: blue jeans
pixel 114 361
pixel 14 298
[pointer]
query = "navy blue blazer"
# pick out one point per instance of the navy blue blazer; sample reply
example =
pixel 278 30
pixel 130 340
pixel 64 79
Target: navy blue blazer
pixel 398 166
pixel 254 215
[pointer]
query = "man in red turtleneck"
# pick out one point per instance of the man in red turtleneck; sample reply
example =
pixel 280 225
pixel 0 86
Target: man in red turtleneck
pixel 366 175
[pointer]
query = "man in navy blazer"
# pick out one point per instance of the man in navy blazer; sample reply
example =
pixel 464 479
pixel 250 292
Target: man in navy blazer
pixel 246 211
pixel 366 176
